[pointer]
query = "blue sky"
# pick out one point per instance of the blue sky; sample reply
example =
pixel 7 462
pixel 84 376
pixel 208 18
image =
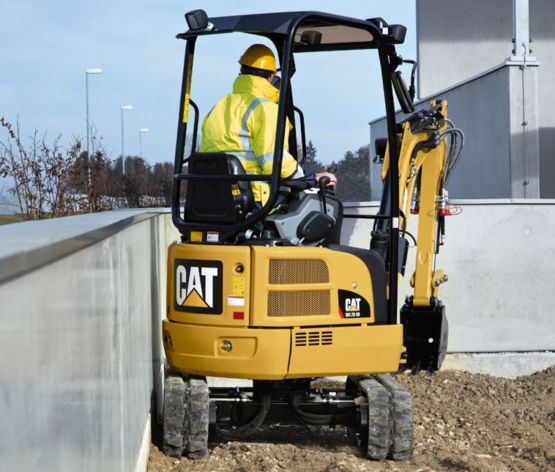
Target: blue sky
pixel 47 45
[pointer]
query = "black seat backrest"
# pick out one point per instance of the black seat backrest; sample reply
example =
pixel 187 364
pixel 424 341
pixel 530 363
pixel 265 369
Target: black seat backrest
pixel 217 201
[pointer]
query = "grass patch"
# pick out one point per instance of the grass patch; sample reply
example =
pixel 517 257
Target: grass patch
pixel 7 219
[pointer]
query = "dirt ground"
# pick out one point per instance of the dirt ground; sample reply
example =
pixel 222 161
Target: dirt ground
pixel 461 422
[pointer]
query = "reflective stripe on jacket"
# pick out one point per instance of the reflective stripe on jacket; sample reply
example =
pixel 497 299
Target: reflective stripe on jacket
pixel 244 123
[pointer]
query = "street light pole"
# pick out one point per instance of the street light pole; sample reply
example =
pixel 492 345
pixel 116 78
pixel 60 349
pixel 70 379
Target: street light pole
pixel 141 131
pixel 123 108
pixel 88 72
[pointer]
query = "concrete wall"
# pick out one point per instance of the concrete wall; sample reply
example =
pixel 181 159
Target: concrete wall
pixel 499 259
pixel 481 108
pixel 80 334
pixel 542 30
pixel 497 112
pixel 459 40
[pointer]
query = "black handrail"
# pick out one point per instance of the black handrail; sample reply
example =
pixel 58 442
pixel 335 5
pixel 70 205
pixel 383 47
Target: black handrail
pixel 386 54
pixel 303 135
pixel 195 127
pixel 181 134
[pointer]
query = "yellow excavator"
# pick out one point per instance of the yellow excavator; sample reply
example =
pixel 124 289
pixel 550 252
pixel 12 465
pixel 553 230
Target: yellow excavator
pixel 268 293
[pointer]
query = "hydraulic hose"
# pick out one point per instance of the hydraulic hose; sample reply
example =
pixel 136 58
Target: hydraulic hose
pixel 305 417
pixel 245 430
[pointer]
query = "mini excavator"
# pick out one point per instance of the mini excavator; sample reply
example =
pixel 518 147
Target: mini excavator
pixel 268 293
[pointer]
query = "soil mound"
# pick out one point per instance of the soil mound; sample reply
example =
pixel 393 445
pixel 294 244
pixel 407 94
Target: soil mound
pixel 462 422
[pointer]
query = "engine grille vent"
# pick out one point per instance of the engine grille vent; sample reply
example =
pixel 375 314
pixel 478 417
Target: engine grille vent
pixel 298 271
pixel 313 338
pixel 299 303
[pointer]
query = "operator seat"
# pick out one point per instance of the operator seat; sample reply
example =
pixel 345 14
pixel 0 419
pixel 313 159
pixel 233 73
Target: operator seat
pixel 217 201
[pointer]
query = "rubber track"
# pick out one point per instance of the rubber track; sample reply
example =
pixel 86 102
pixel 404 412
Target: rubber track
pixel 196 417
pixel 378 417
pixel 174 414
pixel 400 418
pixel 186 404
pixel 390 428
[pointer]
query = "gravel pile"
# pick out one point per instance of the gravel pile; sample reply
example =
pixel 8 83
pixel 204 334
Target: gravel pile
pixel 462 422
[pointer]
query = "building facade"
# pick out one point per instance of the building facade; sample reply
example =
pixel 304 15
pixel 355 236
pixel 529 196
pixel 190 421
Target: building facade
pixel 494 62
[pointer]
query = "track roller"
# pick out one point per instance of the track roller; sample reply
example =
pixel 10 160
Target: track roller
pixel 185 417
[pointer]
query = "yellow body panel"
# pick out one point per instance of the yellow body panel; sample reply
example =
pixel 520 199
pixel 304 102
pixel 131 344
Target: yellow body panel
pixel 274 354
pixel 292 327
pixel 339 270
pixel 255 353
pixel 349 350
pixel 235 285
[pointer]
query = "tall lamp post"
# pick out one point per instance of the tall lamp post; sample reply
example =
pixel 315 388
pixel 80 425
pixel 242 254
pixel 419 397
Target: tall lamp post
pixel 95 71
pixel 123 108
pixel 141 131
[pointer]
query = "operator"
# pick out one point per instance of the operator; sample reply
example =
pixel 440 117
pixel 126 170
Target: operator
pixel 243 123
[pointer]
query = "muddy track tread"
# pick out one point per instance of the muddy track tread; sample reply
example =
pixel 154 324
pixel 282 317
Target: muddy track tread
pixel 173 416
pixel 400 418
pixel 378 417
pixel 195 421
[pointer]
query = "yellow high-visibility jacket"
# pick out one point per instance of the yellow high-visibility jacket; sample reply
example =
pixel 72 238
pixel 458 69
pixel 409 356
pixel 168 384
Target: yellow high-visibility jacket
pixel 244 123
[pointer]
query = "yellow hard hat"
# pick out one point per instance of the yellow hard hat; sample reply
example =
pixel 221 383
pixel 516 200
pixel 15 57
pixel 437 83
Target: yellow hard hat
pixel 259 57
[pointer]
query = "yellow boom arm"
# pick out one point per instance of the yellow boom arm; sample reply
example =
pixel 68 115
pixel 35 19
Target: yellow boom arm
pixel 422 163
pixel 423 167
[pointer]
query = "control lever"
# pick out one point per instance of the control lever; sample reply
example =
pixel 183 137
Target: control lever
pixel 322 184
pixel 332 169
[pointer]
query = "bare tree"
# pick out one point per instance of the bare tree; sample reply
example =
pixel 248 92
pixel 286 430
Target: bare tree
pixel 50 180
pixel 161 180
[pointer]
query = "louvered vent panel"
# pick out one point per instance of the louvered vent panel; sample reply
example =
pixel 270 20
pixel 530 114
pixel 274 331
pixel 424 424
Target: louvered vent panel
pixel 298 271
pixel 300 338
pixel 299 303
pixel 313 338
pixel 327 338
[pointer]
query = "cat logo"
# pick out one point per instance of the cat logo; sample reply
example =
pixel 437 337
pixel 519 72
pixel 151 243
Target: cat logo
pixel 198 286
pixel 352 305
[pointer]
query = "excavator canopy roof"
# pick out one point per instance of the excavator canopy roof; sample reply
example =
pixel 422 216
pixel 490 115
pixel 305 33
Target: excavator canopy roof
pixel 315 31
